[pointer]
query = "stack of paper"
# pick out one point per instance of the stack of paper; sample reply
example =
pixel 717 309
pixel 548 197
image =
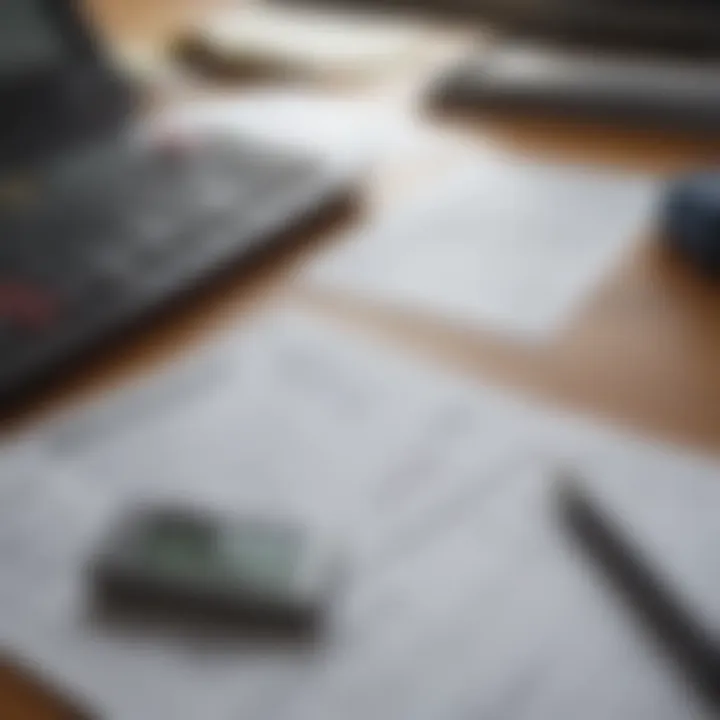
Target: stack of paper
pixel 466 597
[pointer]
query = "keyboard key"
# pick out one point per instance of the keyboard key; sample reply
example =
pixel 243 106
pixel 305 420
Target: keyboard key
pixel 154 231
pixel 218 195
pixel 25 306
pixel 9 335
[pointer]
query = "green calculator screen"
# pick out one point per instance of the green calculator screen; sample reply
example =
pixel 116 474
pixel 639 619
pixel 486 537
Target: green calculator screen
pixel 259 556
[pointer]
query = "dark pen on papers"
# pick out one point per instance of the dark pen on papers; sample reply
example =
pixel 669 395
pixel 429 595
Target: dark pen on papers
pixel 658 605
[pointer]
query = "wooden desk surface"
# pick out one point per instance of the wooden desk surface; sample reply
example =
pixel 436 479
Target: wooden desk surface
pixel 644 352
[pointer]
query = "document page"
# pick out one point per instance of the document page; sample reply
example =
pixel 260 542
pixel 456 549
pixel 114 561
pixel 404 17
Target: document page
pixel 464 597
pixel 504 244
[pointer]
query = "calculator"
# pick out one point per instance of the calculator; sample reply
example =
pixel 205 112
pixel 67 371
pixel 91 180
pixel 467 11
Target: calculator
pixel 262 571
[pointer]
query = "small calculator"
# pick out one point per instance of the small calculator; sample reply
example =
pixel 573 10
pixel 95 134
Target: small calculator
pixel 250 569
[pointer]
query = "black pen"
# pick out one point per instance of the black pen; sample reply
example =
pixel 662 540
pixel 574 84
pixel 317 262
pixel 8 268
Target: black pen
pixel 659 606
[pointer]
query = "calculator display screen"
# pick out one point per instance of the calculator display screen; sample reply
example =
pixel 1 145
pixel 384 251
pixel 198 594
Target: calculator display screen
pixel 256 556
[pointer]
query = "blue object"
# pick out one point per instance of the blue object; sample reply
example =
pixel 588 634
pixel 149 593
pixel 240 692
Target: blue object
pixel 691 219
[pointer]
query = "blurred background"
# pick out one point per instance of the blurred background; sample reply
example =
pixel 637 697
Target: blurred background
pixel 231 234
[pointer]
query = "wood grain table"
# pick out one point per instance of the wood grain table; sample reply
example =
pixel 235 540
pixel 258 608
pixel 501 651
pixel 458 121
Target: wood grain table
pixel 644 352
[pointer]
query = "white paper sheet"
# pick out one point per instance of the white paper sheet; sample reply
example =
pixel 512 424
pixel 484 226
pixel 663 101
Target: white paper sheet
pixel 514 246
pixel 340 129
pixel 301 41
pixel 465 599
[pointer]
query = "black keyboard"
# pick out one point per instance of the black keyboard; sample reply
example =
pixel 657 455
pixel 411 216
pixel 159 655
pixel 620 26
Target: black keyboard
pixel 584 83
pixel 99 239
